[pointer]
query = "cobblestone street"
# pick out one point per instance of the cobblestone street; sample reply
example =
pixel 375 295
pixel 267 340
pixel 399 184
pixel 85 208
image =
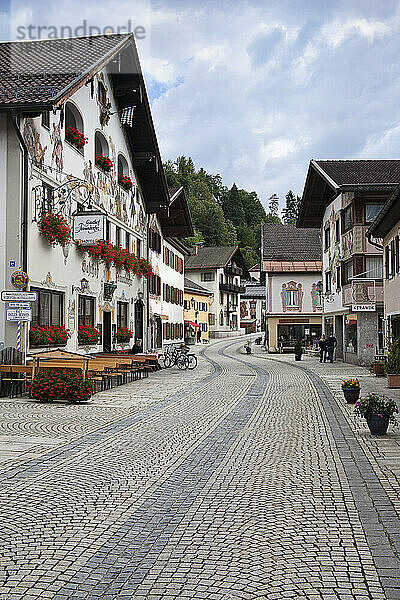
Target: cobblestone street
pixel 247 478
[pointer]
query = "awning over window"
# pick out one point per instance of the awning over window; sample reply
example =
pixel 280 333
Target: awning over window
pixel 192 324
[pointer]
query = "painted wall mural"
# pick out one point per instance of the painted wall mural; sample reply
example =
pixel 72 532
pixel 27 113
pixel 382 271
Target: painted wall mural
pixel 243 309
pixel 32 140
pixel 57 154
pixel 315 299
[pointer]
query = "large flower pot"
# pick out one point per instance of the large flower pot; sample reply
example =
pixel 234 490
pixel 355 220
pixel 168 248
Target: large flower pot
pixel 393 380
pixel 351 394
pixel 377 425
pixel 379 369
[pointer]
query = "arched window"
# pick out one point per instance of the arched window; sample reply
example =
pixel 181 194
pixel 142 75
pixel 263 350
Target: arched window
pixel 123 166
pixel 100 144
pixel 73 119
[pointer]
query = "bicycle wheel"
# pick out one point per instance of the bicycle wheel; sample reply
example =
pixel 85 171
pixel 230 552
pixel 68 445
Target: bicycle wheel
pixel 182 362
pixel 167 362
pixel 192 360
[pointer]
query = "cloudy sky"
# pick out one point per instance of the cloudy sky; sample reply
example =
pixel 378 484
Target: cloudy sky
pixel 255 89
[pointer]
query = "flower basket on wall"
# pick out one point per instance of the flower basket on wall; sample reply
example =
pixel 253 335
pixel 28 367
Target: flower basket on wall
pixel 123 335
pixel 119 257
pixel 88 335
pixel 145 267
pixel 125 182
pixel 51 335
pixel 75 137
pixel 61 385
pixel 104 163
pixel 55 229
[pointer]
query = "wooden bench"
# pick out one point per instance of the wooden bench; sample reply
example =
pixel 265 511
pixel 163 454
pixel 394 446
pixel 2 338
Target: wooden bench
pixel 15 378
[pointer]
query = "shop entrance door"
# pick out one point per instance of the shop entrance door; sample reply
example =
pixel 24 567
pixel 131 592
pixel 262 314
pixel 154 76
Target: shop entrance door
pixel 106 331
pixel 139 320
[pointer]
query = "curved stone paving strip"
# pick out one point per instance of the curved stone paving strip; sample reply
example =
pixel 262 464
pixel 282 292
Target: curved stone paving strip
pixel 83 493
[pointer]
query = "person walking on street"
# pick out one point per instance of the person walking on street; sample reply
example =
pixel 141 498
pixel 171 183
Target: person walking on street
pixel 331 344
pixel 198 335
pixel 322 348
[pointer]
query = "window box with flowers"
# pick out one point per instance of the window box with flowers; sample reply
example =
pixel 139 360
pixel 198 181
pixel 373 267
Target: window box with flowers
pixel 125 182
pixel 119 257
pixel 75 138
pixel 50 335
pixel 88 335
pixel 55 229
pixel 123 335
pixel 104 163
pixel 61 385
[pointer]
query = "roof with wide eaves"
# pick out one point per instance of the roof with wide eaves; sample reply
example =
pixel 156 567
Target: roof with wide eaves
pixel 41 75
pixel 254 291
pixel 326 179
pixel 214 257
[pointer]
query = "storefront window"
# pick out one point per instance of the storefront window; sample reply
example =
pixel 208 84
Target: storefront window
pixel 351 333
pixel 328 327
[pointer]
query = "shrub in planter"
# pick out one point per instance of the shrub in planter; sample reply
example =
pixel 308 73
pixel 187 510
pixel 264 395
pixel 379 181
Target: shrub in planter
pixel 351 390
pixel 378 411
pixel 104 163
pixel 298 350
pixel 392 365
pixel 51 335
pixel 61 385
pixel 55 229
pixel 125 182
pixel 75 137
pixel 88 335
pixel 123 335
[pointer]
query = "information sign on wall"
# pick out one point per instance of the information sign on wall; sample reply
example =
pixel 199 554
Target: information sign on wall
pixel 88 228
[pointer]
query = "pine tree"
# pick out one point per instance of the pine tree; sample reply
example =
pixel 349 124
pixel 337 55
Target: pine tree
pixel 273 205
pixel 291 210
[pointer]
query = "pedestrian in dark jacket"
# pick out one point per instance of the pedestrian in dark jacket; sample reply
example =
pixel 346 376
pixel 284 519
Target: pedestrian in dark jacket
pixel 322 349
pixel 331 344
pixel 137 347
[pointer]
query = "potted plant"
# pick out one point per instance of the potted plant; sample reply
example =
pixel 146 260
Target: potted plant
pixel 104 163
pixel 125 182
pixel 378 366
pixel 378 411
pixel 298 350
pixel 351 390
pixel 392 365
pixel 88 335
pixel 55 229
pixel 61 385
pixel 75 137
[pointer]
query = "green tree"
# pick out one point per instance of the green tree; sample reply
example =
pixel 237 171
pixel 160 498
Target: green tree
pixel 232 206
pixel 292 207
pixel 270 218
pixel 273 205
pixel 195 239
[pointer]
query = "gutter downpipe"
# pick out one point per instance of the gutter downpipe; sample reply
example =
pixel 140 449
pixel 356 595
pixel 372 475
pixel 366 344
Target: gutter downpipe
pixel 369 236
pixel 24 224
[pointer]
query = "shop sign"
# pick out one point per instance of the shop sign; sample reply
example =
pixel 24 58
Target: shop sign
pixel 363 308
pixel 19 305
pixel 18 296
pixel 19 279
pixel 19 314
pixel 88 228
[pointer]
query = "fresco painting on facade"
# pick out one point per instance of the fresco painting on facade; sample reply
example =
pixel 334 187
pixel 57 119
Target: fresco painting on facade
pixel 33 143
pixel 57 154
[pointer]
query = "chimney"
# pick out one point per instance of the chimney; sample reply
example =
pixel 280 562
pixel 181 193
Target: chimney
pixel 195 250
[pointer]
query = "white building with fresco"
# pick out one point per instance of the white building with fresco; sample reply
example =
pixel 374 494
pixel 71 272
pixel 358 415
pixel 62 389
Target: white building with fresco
pixel 291 267
pixel 46 171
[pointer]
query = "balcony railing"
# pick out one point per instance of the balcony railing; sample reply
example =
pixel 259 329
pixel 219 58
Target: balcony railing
pixel 363 292
pixel 233 270
pixel 231 287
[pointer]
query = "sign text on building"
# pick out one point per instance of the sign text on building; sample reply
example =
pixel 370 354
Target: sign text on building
pixel 363 308
pixel 88 228
pixel 9 296
pixel 19 314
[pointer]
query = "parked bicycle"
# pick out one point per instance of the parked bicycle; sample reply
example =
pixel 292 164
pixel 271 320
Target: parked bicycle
pixel 179 356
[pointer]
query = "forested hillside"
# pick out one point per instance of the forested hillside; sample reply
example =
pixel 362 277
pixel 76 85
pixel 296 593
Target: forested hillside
pixel 221 216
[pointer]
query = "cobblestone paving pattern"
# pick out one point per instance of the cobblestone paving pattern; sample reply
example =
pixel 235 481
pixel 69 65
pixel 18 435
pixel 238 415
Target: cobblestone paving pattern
pixel 229 487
